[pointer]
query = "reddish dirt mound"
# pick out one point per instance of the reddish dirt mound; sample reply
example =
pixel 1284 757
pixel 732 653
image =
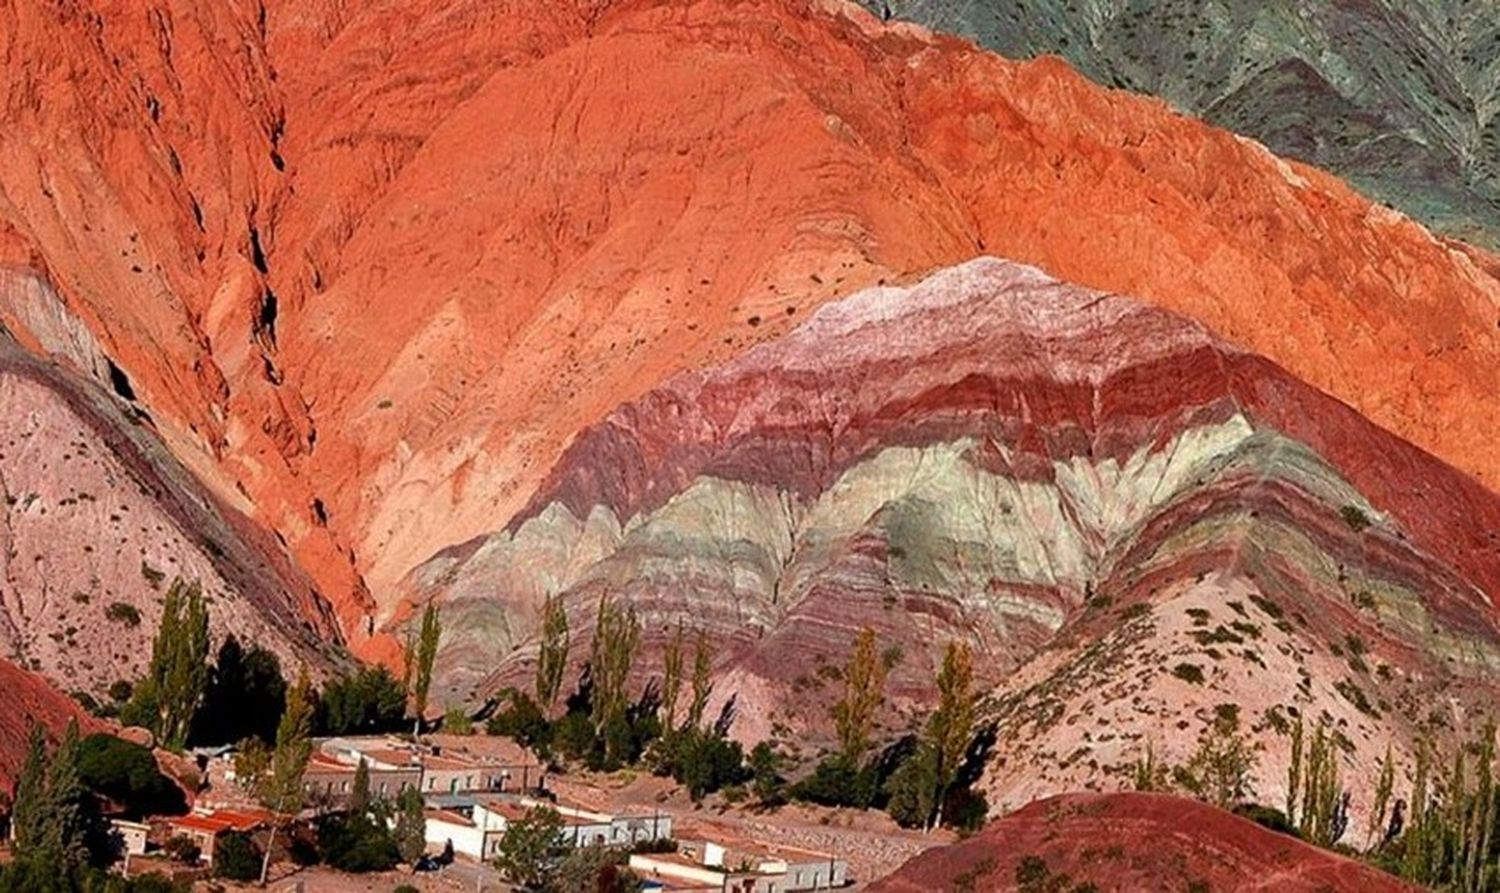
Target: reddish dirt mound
pixel 25 700
pixel 1133 842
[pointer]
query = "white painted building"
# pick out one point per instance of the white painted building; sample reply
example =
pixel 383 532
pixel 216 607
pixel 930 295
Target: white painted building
pixel 742 867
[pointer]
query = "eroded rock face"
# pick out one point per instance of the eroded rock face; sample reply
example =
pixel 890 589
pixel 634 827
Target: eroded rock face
pixel 1090 491
pixel 372 273
pixel 97 520
pixel 1133 842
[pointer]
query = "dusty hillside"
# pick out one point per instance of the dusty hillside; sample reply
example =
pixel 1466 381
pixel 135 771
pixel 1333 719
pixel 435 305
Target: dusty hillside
pixel 97 520
pixel 370 271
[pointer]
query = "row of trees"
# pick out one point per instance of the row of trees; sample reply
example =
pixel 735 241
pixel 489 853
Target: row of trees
pixel 187 699
pixel 922 779
pixel 1444 835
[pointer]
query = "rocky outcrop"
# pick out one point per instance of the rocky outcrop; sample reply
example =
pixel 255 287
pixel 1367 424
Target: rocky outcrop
pixel 372 274
pixel 1132 842
pixel 1093 493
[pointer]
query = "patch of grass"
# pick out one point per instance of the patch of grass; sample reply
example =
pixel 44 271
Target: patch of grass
pixel 1189 673
pixel 1356 696
pixel 1267 607
pixel 1355 517
pixel 120 612
pixel 152 575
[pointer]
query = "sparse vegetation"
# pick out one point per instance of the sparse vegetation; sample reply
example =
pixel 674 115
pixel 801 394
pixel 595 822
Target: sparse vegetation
pixel 1189 673
pixel 121 612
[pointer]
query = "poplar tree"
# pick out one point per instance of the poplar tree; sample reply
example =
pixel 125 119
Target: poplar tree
pixel 864 691
pixel 1415 856
pixel 702 682
pixel 617 636
pixel 359 793
pixel 29 810
pixel 1322 815
pixel 279 784
pixel 552 660
pixel 1383 789
pixel 1294 775
pixel 411 823
pixel 166 700
pixel 427 646
pixel 671 681
pixel 952 725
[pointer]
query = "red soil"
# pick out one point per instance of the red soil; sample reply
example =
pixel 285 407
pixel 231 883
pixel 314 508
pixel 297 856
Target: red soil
pixel 26 700
pixel 1134 842
pixel 370 271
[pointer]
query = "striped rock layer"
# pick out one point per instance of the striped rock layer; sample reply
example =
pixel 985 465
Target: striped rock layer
pixel 1088 490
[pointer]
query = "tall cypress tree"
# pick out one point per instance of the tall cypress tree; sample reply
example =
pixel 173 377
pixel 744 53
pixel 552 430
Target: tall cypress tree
pixel 74 834
pixel 359 795
pixel 29 811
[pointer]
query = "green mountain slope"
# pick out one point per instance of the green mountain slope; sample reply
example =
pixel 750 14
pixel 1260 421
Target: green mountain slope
pixel 1397 96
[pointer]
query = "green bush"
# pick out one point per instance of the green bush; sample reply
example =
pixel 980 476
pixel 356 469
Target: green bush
pixel 126 773
pixel 700 761
pixel 838 781
pixel 369 701
pixel 357 843
pixel 237 858
pixel 523 721
pixel 120 612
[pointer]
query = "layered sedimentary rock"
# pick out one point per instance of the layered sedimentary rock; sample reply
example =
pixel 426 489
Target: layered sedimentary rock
pixel 97 521
pixel 370 269
pixel 1093 493
pixel 1133 842
pixel 1400 98
pixel 26 702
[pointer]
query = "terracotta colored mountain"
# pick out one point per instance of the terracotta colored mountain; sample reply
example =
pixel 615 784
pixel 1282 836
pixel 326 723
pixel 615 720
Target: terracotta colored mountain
pixel 369 270
pixel 1129 842
pixel 1096 494
pixel 27 701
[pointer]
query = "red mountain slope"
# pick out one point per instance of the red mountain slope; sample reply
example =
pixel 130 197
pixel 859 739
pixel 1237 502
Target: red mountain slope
pixel 1131 842
pixel 370 270
pixel 25 701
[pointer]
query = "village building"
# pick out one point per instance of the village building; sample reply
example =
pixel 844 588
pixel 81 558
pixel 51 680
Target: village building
pixel 129 836
pixel 206 828
pixel 475 826
pixel 435 770
pixel 331 781
pixel 740 866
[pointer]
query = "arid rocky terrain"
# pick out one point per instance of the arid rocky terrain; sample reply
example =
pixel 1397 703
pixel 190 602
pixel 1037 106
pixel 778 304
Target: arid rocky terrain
pixel 775 320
